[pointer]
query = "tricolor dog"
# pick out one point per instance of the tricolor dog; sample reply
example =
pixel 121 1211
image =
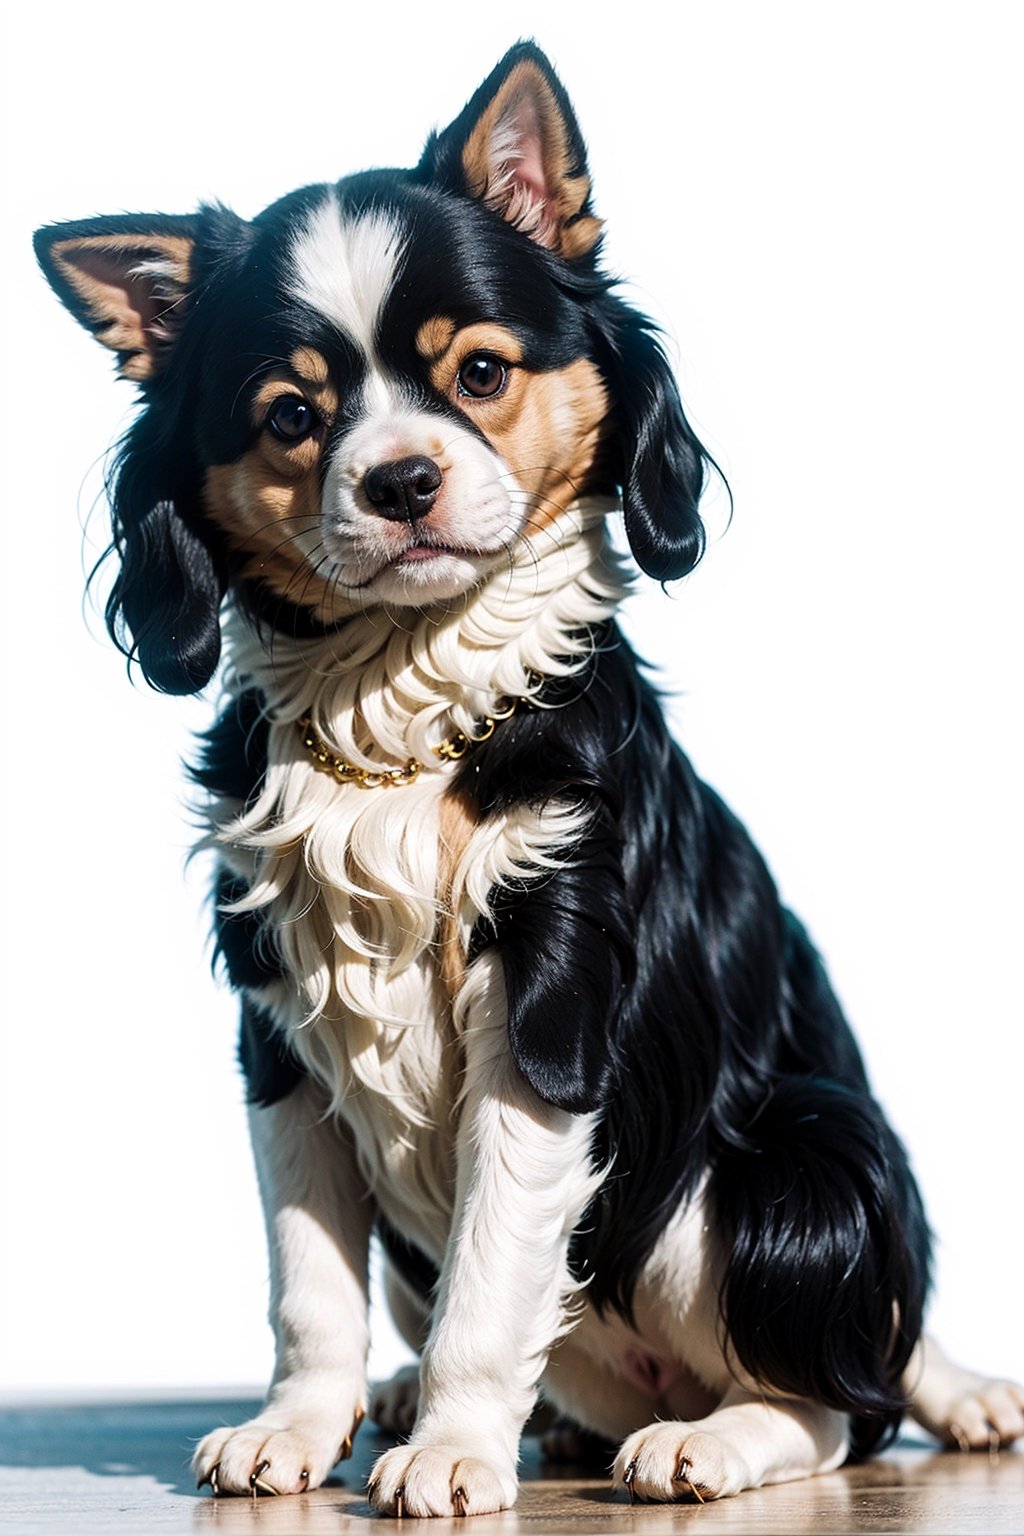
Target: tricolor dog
pixel 517 991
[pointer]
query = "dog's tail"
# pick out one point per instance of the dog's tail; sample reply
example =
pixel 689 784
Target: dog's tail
pixel 827 1252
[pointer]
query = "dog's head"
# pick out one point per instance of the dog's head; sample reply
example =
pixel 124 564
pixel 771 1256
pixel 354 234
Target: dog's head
pixel 367 393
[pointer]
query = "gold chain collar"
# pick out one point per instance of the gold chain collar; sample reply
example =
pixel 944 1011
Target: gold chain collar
pixel 450 750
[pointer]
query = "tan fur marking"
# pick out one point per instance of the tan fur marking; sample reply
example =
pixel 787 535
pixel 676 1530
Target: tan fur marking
pixel 555 222
pixel 311 369
pixel 291 460
pixel 263 508
pixel 547 428
pixel 310 365
pixel 484 337
pixel 580 236
pixel 281 382
pixel 455 828
pixel 434 337
pixel 127 308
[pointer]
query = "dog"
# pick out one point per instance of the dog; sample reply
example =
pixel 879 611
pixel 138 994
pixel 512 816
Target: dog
pixel 517 991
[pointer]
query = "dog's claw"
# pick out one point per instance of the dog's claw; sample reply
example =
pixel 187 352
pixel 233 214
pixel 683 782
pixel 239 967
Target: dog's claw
pixel 960 1438
pixel 346 1445
pixel 683 1476
pixel 993 1444
pixel 256 1482
pixel 399 1501
pixel 213 1480
pixel 627 1478
pixel 459 1502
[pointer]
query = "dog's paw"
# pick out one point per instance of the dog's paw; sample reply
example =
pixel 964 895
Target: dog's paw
pixel 393 1404
pixel 270 1454
pixel 982 1413
pixel 961 1407
pixel 439 1480
pixel 666 1462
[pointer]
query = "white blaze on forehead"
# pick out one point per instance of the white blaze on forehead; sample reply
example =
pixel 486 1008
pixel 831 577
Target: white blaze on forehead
pixel 346 267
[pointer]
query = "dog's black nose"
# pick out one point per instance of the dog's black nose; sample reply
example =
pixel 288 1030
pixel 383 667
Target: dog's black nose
pixel 403 488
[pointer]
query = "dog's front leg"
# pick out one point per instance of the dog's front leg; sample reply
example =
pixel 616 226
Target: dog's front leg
pixel 318 1216
pixel 750 1439
pixel 523 1180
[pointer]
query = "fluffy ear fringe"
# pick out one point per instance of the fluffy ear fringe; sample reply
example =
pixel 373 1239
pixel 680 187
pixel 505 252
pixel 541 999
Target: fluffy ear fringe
pixel 656 456
pixel 164 607
pixel 164 610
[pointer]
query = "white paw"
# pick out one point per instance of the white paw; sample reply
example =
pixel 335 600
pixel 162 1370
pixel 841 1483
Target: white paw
pixel 439 1480
pixel 393 1404
pixel 983 1415
pixel 273 1453
pixel 666 1462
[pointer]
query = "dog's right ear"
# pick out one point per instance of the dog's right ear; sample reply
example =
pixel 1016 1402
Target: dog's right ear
pixel 129 280
pixel 126 279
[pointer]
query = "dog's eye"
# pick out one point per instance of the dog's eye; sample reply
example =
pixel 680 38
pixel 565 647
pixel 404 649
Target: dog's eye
pixel 481 376
pixel 291 419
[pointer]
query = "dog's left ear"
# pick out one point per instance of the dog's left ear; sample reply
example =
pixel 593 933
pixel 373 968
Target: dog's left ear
pixel 517 148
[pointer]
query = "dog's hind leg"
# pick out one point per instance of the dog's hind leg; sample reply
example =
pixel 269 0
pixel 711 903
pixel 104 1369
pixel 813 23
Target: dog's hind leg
pixel 394 1402
pixel 960 1407
pixel 318 1217
pixel 523 1180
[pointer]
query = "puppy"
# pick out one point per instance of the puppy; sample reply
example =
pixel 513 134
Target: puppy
pixel 516 989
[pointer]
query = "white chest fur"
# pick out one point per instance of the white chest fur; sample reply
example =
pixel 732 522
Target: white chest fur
pixel 356 885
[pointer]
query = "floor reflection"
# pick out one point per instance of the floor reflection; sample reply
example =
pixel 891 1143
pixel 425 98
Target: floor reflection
pixel 102 1467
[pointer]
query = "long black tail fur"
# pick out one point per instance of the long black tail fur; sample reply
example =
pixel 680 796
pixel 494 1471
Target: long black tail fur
pixel 827 1270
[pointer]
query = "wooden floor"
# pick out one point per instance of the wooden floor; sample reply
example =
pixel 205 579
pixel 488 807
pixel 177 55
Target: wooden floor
pixel 123 1468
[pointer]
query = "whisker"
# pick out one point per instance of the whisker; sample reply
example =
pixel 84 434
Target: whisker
pixel 262 367
pixel 297 601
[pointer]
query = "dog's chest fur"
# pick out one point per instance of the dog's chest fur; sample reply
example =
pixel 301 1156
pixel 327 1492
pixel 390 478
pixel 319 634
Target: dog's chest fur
pixel 371 894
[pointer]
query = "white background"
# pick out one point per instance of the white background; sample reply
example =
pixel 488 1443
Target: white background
pixel 820 203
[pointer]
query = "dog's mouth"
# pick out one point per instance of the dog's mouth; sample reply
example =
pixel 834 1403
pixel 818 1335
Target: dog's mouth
pixel 424 562
pixel 421 552
pixel 424 551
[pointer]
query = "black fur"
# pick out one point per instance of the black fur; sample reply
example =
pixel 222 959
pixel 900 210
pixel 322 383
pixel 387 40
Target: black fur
pixel 271 1071
pixel 124 226
pixel 656 459
pixel 661 467
pixel 441 164
pixel 240 320
pixel 654 978
pixel 232 764
pixel 706 1036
